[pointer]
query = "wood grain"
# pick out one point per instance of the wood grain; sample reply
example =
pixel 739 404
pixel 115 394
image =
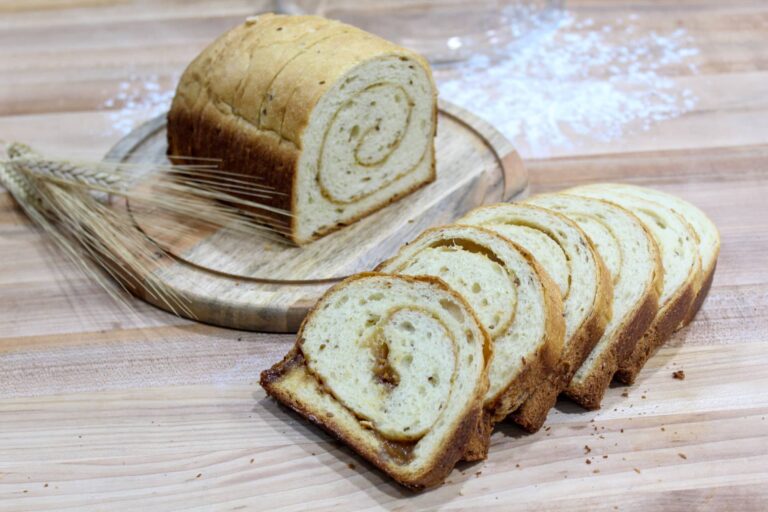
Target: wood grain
pixel 122 410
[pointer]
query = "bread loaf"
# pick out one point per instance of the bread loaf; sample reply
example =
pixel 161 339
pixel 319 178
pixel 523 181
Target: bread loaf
pixel 568 256
pixel 394 366
pixel 336 121
pixel 632 258
pixel 680 258
pixel 515 301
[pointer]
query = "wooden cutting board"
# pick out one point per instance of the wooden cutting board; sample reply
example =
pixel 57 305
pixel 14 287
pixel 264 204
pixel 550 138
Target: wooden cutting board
pixel 256 283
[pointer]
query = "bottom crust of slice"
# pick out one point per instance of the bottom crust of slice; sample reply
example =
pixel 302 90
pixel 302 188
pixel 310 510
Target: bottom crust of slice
pixel 589 392
pixel 306 396
pixel 532 414
pixel 665 323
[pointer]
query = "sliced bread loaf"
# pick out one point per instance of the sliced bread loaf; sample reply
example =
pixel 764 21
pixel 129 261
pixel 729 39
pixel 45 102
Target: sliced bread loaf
pixel 708 237
pixel 515 300
pixel 394 366
pixel 337 121
pixel 566 253
pixel 632 257
pixel 677 243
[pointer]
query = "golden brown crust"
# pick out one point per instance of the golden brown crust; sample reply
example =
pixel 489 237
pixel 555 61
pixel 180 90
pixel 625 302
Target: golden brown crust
pixel 701 295
pixel 589 392
pixel 533 413
pixel 454 446
pixel 664 325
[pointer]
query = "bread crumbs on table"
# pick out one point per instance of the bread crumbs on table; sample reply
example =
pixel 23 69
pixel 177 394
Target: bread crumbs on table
pixel 636 470
pixel 351 465
pixel 663 429
pixel 255 459
pixel 199 475
pixel 622 431
pixel 595 471
pixel 682 456
pixel 587 449
pixel 478 473
pixel 605 456
pixel 588 461
pixel 517 465
pixel 679 375
pixel 625 394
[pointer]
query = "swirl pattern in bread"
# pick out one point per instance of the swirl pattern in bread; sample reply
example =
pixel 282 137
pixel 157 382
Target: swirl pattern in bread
pixel 567 254
pixel 337 121
pixel 515 300
pixel 393 365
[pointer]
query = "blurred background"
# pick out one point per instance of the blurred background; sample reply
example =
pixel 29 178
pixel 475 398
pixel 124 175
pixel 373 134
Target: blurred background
pixel 555 77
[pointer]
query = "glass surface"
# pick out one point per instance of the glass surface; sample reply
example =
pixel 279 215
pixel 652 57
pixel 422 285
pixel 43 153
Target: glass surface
pixel 441 30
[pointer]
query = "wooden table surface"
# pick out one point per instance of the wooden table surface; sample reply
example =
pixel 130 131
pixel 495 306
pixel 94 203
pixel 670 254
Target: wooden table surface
pixel 108 408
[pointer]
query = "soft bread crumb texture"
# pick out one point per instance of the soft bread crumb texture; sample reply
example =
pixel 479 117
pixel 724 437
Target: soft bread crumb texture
pixel 391 361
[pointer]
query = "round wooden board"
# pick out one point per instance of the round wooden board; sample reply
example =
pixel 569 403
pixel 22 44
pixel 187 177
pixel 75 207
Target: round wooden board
pixel 229 280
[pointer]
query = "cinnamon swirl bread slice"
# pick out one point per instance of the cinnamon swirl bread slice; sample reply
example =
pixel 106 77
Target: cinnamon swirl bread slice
pixel 632 257
pixel 678 246
pixel 568 256
pixel 336 121
pixel 515 300
pixel 394 366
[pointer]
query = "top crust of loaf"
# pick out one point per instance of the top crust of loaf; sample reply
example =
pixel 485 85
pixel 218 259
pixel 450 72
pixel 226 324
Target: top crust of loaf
pixel 254 122
pixel 291 383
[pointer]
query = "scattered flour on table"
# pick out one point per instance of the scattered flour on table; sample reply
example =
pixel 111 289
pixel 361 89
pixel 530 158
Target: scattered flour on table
pixel 139 99
pixel 573 80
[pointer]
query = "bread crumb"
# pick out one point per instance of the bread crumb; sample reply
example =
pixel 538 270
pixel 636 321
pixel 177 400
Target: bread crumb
pixel 637 471
pixel 682 456
pixel 595 470
pixel 605 456
pixel 625 394
pixel 478 473
pixel 587 449
pixel 351 465
pixel 199 475
pixel 588 461
pixel 679 375
pixel 255 459
pixel 517 465
pixel 622 431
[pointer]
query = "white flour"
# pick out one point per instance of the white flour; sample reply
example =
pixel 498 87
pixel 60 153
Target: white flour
pixel 565 83
pixel 574 81
pixel 139 99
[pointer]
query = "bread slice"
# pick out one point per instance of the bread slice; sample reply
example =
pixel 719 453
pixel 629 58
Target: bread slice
pixel 566 253
pixel 706 233
pixel 394 366
pixel 516 302
pixel 336 121
pixel 677 244
pixel 632 258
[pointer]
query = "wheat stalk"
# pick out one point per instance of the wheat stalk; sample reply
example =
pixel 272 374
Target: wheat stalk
pixel 66 200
